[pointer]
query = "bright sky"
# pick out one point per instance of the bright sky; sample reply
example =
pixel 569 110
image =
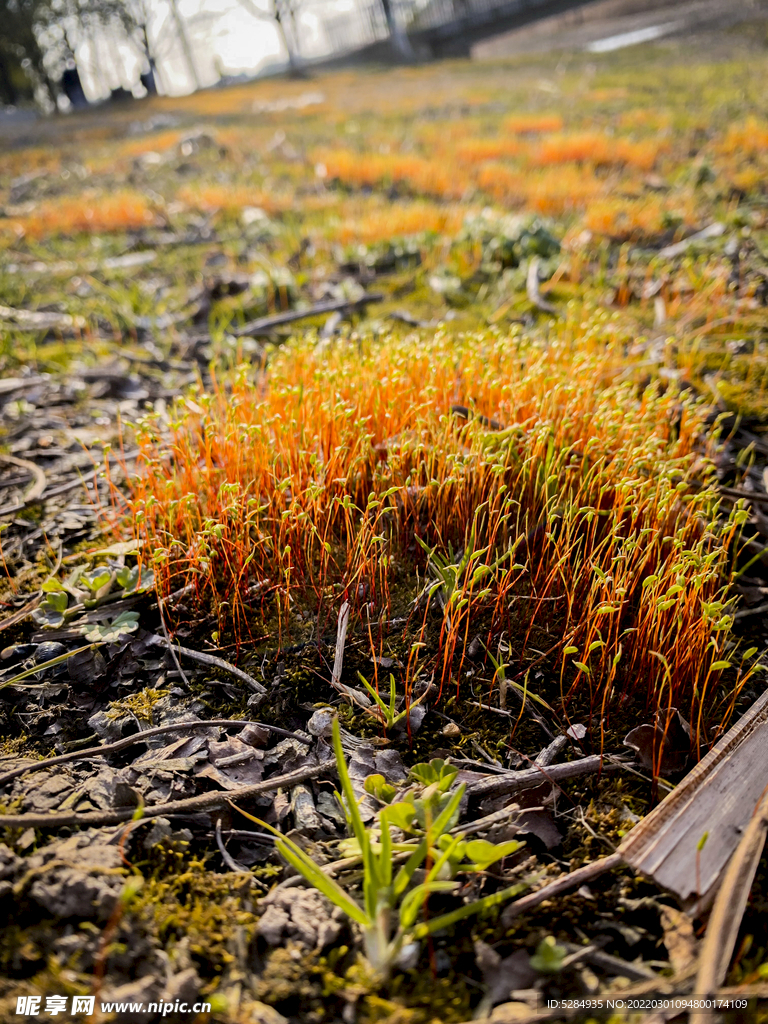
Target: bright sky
pixel 223 35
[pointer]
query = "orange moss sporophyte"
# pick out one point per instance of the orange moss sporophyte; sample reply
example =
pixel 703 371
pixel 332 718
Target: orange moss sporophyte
pixel 88 213
pixel 596 148
pixel 554 191
pixel 577 522
pixel 424 176
pixel 523 124
pixel 398 220
pixel 212 198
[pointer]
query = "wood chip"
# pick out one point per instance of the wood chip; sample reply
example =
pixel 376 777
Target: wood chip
pixel 725 919
pixel 715 799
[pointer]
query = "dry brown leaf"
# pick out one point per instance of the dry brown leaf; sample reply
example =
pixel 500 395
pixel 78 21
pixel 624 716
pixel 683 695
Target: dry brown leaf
pixel 679 938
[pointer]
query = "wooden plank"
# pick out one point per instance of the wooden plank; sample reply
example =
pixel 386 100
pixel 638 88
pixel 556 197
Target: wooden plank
pixel 717 798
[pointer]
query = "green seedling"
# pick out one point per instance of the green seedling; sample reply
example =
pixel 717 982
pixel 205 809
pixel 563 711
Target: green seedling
pixel 90 590
pixel 388 713
pixel 452 572
pixel 436 773
pixel 136 580
pixel 522 688
pixel 51 612
pixel 548 958
pixel 98 581
pixel 389 914
pixel 110 632
pixel 414 814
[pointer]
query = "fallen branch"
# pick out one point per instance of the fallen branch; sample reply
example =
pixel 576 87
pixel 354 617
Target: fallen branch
pixel 38 486
pixel 354 695
pixel 22 613
pixel 226 856
pixel 744 613
pixel 573 880
pixel 192 805
pixel 738 492
pixel 533 291
pixel 141 737
pixel 265 323
pixel 53 492
pixel 171 648
pixel 10 385
pixel 714 230
pixel 516 782
pixel 214 662
pixel 610 964
pixel 30 319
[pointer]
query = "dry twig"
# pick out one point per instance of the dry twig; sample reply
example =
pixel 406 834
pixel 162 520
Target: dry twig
pixel 534 291
pixel 191 805
pixel 213 662
pixel 516 782
pixel 129 741
pixel 572 880
pixel 265 323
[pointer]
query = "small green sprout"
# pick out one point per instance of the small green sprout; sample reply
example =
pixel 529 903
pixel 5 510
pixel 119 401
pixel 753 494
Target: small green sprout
pixel 388 713
pixel 548 958
pixel 389 913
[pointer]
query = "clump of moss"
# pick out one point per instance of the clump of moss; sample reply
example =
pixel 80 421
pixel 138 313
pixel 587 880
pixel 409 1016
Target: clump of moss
pixel 213 913
pixel 291 980
pixel 12 746
pixel 140 704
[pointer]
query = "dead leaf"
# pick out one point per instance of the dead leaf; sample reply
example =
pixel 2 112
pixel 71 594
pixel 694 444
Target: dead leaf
pixel 503 976
pixel 665 746
pixel 679 938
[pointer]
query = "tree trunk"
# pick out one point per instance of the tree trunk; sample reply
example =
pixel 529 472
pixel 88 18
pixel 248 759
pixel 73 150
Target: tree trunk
pixel 283 13
pixel 149 78
pixel 401 44
pixel 7 88
pixel 183 38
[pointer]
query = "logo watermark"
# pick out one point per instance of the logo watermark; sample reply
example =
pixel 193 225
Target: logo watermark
pixel 32 1006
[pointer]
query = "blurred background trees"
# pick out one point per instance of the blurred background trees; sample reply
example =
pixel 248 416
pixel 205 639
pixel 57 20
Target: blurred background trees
pixel 64 52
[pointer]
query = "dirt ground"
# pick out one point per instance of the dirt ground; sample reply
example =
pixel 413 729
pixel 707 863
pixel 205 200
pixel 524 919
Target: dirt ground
pixel 698 24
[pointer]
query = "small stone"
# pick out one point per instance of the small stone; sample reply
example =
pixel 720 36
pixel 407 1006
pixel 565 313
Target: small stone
pixel 475 649
pixel 272 925
pixel 451 730
pixel 256 735
pixel 261 1013
pixel 144 990
pixel 321 723
pixel 305 817
pixel 408 956
pixel 183 986
pixel 48 650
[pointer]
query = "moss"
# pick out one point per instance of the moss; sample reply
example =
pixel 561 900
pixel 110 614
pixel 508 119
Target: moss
pixel 11 746
pixel 291 981
pixel 140 704
pixel 213 913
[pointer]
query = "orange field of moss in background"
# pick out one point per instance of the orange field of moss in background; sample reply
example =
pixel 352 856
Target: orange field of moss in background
pixel 291 144
pixel 400 220
pixel 125 211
